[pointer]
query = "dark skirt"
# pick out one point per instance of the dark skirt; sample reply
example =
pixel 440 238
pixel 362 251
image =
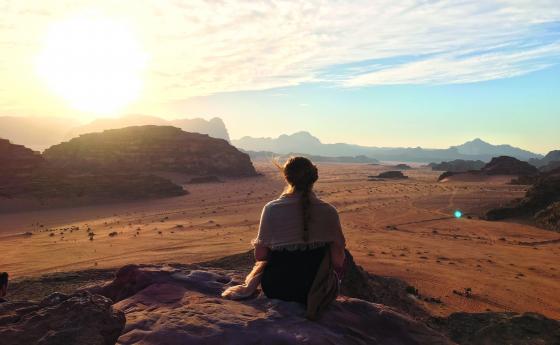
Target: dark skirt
pixel 289 274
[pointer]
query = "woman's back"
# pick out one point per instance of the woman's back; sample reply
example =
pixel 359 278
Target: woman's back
pixel 281 223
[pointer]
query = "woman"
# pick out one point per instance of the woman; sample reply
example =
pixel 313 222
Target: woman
pixel 299 249
pixel 301 240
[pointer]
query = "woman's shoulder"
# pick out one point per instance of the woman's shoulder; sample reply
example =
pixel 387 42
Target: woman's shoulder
pixel 280 201
pixel 323 205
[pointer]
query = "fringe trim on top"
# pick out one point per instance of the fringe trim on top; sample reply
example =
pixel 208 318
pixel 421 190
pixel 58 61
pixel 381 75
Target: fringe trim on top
pixel 299 246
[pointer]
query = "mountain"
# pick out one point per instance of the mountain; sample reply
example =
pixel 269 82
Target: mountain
pixel 549 162
pixel 36 133
pixel 147 149
pixel 214 127
pixel 480 147
pixel 306 143
pixel 25 174
pixel 267 156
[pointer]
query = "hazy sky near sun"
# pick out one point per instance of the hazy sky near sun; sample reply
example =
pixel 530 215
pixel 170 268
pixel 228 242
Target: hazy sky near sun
pixel 383 73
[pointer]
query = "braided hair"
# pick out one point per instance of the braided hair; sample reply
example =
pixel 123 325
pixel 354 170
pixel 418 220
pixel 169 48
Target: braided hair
pixel 301 174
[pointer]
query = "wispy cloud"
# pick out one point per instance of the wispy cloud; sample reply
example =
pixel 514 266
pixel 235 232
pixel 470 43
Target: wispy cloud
pixel 451 69
pixel 203 47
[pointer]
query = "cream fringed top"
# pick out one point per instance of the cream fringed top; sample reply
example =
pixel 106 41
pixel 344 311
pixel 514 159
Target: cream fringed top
pixel 281 225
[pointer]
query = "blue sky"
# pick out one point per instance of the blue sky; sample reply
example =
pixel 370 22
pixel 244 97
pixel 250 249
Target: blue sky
pixel 429 73
pixel 522 111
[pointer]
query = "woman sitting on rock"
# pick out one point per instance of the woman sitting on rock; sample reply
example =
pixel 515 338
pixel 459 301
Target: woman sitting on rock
pixel 299 248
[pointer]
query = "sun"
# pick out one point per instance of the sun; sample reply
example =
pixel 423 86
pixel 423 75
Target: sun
pixel 93 62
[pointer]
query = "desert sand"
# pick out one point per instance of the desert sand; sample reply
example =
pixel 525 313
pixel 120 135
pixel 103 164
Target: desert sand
pixel 401 228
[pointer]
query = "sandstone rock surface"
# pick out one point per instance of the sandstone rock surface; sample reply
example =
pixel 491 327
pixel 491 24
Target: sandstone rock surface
pixel 166 305
pixel 60 319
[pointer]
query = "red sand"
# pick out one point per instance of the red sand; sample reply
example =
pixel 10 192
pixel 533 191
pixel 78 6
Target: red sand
pixel 398 228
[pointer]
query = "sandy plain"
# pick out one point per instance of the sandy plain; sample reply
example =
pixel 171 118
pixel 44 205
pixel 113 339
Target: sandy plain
pixel 399 228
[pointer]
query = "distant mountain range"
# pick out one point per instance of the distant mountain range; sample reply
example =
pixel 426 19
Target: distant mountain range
pixel 39 133
pixel 305 142
pixel 267 156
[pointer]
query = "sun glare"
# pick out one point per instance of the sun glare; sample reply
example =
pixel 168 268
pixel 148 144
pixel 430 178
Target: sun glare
pixel 93 62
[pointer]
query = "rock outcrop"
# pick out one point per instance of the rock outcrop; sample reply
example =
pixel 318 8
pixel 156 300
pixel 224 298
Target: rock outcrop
pixel 458 165
pixel 505 165
pixel 401 167
pixel 549 218
pixel 26 174
pixel 149 149
pixel 17 161
pixel 499 328
pixel 539 202
pixel 171 305
pixel 389 175
pixel 502 165
pixel 60 319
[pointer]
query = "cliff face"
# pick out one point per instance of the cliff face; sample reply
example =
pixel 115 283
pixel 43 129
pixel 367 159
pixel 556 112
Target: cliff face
pixel 17 161
pixel 457 165
pixel 505 165
pixel 26 174
pixel 149 149
pixel 541 202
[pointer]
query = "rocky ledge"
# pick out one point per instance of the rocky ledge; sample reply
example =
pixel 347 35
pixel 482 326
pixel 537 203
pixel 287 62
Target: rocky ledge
pixel 166 305
pixel 181 304
pixel 60 319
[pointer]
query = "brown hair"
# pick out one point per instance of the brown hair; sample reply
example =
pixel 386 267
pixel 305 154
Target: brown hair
pixel 301 174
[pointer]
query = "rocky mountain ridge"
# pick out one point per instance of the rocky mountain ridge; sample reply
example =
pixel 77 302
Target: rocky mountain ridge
pixel 306 143
pixel 39 133
pixel 120 164
pixel 150 149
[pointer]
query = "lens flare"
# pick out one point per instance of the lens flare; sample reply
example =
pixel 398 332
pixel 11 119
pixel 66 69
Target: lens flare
pixel 458 214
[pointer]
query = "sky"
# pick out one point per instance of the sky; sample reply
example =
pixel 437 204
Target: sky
pixel 379 73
